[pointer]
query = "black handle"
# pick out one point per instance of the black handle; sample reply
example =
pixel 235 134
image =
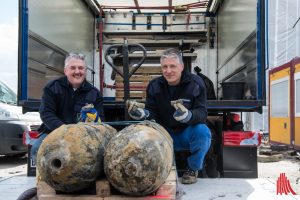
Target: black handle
pixel 115 68
pixel 126 74
pixel 141 61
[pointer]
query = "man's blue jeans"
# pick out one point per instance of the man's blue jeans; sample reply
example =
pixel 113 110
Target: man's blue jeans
pixel 36 145
pixel 196 139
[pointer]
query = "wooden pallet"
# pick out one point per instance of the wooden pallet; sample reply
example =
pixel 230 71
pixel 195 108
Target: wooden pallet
pixel 138 83
pixel 166 191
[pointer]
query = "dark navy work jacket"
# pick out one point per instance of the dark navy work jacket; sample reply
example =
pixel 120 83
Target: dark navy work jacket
pixel 62 105
pixel 159 98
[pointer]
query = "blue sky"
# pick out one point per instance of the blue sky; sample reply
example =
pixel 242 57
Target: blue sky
pixel 9 43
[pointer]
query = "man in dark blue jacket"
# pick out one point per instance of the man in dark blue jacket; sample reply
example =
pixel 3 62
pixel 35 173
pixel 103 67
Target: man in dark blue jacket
pixel 177 101
pixel 64 98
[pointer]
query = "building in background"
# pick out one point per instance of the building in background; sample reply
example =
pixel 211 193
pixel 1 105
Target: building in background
pixel 284 75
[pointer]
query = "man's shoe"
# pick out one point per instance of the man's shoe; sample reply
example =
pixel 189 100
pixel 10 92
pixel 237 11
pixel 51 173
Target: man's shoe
pixel 189 177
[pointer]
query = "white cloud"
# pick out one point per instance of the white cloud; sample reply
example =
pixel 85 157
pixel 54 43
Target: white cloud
pixel 9 53
pixel 9 37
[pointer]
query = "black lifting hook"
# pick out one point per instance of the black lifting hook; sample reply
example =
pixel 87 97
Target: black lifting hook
pixel 126 73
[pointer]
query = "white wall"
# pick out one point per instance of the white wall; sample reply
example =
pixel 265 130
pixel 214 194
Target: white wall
pixel 236 22
pixel 68 24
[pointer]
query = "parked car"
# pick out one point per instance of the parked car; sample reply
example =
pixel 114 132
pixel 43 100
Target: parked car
pixel 13 123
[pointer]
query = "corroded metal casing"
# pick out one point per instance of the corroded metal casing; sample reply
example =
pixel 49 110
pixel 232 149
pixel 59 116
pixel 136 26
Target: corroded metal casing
pixel 71 157
pixel 139 158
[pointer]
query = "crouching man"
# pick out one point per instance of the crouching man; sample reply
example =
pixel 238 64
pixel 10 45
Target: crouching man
pixel 68 100
pixel 177 101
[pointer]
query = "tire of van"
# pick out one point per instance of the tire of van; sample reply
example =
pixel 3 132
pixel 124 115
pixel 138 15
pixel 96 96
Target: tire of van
pixel 30 194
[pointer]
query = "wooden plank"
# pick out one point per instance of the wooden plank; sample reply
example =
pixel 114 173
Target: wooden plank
pixel 134 84
pixel 132 89
pixel 158 197
pixel 166 191
pixel 44 189
pixel 142 86
pixel 146 70
pixel 45 192
pixel 70 197
pixel 132 94
pixel 103 188
pixel 173 175
pixel 149 70
pixel 119 99
pixel 145 78
pixel 132 98
pixel 123 197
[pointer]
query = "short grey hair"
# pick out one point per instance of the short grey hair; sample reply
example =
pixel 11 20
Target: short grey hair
pixel 171 53
pixel 77 56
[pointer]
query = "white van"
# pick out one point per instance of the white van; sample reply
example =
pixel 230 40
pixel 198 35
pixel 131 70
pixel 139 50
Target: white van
pixel 13 123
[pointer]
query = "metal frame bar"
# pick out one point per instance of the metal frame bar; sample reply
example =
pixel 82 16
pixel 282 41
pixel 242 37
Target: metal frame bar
pixel 136 2
pixel 93 5
pixel 23 50
pixel 101 70
pixel 170 5
pixel 260 53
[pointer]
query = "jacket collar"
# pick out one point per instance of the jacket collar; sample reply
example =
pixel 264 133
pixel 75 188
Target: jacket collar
pixel 64 81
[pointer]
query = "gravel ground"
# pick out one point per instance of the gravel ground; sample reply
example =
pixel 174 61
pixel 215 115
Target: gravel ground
pixel 11 166
pixel 17 167
pixel 288 165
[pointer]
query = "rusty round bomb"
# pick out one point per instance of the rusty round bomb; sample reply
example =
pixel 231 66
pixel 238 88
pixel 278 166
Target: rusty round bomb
pixel 71 157
pixel 139 158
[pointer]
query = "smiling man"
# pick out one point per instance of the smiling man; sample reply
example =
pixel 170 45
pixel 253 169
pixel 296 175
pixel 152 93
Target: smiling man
pixel 64 98
pixel 177 101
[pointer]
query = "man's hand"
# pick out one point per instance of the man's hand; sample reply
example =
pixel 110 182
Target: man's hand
pixel 182 114
pixel 89 114
pixel 136 110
